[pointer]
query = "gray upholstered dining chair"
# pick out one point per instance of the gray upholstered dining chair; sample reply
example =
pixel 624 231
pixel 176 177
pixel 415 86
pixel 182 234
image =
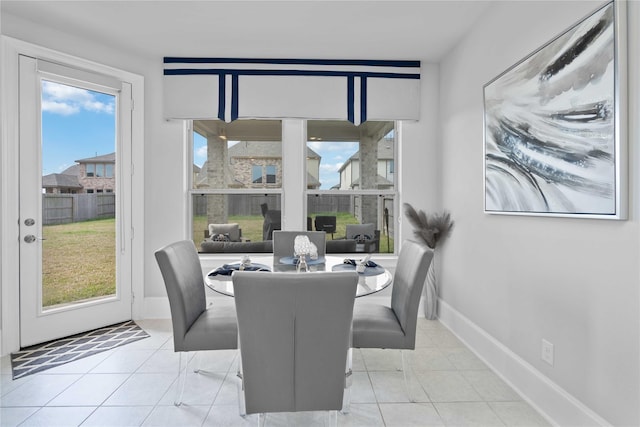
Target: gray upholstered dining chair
pixel 283 242
pixel 294 339
pixel 195 327
pixel 394 326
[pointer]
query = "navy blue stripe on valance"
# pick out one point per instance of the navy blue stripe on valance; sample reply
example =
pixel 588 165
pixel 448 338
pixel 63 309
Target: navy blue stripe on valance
pixel 222 96
pixel 363 100
pixel 356 62
pixel 350 98
pixel 217 71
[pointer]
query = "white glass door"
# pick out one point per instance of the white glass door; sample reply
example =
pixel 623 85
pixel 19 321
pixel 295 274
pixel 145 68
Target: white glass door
pixel 75 131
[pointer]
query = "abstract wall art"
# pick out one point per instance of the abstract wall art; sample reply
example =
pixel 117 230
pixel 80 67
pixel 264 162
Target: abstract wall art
pixel 553 140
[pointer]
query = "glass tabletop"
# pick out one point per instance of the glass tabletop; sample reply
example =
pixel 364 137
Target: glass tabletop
pixel 372 280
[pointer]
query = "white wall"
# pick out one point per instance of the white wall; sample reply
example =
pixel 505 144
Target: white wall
pixel 507 282
pixel 420 152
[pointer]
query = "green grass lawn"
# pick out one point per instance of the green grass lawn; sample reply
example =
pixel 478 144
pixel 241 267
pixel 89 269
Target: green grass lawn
pixel 252 228
pixel 78 261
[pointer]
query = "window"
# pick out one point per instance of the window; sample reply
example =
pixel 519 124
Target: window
pixel 258 171
pixel 271 174
pixel 91 169
pixel 108 172
pixel 231 180
pixel 89 190
pixel 354 170
pixel 256 174
pixel 237 177
pixel 100 170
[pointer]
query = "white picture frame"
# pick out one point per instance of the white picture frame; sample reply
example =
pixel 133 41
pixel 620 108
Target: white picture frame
pixel 555 140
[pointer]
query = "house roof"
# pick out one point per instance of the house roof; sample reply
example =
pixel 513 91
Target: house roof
pixel 72 170
pixel 60 180
pixel 385 152
pixel 381 182
pixel 202 178
pixel 105 158
pixel 312 181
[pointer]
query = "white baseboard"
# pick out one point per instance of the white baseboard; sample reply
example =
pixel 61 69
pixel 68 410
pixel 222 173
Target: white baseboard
pixel 553 402
pixel 156 308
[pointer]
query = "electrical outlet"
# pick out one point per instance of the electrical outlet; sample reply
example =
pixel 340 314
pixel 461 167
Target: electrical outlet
pixel 547 352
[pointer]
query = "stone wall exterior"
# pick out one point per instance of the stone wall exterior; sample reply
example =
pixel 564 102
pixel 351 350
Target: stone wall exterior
pixel 95 183
pixel 242 171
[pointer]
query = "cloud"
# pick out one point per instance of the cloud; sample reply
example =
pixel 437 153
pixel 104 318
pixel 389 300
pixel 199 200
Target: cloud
pixel 333 167
pixel 329 146
pixel 67 100
pixel 59 108
pixel 201 152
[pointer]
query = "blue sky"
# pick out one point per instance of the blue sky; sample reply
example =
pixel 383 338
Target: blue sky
pixel 76 124
pixel 333 155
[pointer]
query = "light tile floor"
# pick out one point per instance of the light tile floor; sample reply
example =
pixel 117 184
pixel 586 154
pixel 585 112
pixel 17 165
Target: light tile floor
pixel 134 385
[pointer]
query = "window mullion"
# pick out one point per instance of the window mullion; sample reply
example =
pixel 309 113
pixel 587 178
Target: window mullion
pixel 294 136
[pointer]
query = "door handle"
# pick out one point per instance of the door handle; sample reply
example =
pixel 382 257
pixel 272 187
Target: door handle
pixel 30 238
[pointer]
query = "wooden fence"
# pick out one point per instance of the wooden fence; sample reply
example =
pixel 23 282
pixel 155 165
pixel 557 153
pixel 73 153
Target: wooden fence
pixel 248 205
pixel 66 208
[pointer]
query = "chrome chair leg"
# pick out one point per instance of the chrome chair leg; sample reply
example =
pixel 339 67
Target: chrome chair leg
pixel 333 418
pixel 195 362
pixel 409 377
pixel 348 382
pixel 184 358
pixel 242 406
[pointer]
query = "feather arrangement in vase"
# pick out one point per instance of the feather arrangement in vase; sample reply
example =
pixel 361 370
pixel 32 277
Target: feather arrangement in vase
pixel 430 229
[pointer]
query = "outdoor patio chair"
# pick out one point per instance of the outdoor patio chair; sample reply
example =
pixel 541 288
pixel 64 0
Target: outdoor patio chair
pixel 366 236
pixel 326 223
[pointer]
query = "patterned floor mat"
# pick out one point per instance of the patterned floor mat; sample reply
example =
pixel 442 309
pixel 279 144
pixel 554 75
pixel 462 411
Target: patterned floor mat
pixel 39 357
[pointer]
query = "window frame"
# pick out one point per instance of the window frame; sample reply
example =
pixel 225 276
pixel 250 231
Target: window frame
pixel 293 175
pixel 393 193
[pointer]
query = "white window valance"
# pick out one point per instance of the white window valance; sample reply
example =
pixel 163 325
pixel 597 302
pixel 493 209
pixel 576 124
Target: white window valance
pixel 233 88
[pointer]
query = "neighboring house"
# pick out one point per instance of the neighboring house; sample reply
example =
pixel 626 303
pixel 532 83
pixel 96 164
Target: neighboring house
pixel 350 170
pixel 90 175
pixel 61 183
pixel 254 164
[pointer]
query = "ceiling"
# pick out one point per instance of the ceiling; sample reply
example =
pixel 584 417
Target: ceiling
pixel 424 30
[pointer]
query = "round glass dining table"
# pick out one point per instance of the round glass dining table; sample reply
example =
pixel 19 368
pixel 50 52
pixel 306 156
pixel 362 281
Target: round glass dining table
pixel 372 280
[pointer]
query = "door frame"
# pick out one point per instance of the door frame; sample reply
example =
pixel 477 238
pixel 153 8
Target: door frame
pixel 9 181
